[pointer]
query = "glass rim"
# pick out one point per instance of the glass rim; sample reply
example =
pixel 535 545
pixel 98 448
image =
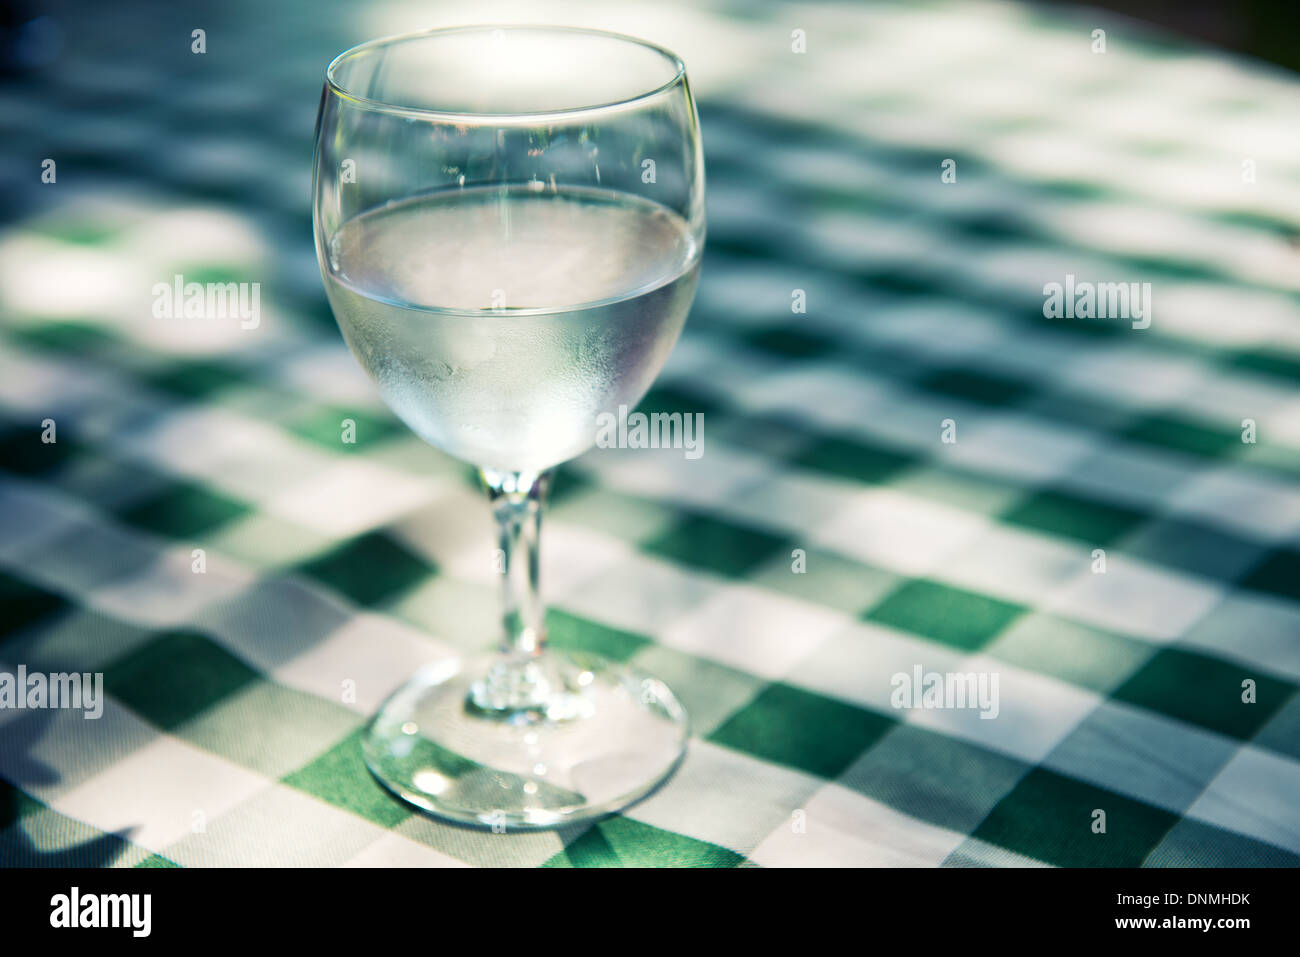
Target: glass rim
pixel 338 89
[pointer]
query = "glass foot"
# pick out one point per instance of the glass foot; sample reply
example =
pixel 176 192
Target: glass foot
pixel 552 741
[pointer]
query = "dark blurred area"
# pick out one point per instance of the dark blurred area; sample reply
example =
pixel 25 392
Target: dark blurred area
pixel 30 37
pixel 1261 28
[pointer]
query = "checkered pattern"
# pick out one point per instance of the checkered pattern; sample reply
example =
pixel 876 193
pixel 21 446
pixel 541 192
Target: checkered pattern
pixel 235 697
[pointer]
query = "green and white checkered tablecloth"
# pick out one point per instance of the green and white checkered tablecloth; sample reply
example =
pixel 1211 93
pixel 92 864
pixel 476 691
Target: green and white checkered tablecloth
pixel 333 570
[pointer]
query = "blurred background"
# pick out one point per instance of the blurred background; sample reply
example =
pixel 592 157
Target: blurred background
pixel 919 172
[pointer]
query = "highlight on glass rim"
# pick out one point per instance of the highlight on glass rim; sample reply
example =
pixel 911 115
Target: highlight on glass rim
pixel 411 457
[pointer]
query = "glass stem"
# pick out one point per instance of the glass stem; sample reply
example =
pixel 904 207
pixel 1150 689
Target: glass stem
pixel 517 499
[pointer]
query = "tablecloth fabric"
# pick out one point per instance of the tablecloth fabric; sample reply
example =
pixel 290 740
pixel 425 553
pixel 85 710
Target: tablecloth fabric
pixel 332 570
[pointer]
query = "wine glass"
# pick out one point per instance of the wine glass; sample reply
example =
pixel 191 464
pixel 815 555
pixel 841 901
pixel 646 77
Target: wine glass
pixel 509 222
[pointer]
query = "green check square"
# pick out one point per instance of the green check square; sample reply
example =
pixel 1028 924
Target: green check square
pixel 589 849
pixel 1205 691
pixel 977 386
pixel 204 272
pixel 370 569
pixel 346 430
pixel 802 730
pixel 745 248
pixel 715 545
pixel 838 199
pixel 565 484
pixel 792 343
pixel 340 777
pixel 78 232
pixel 899 279
pixel 1267 362
pixel 1183 436
pixel 670 399
pixel 21 604
pixel 852 459
pixel 954 616
pixel 1050 817
pixel 79 338
pixel 1278 573
pixel 182 510
pixel 1073 516
pixel 623 842
pixel 583 635
pixel 985 225
pixel 176 677
pixel 196 379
